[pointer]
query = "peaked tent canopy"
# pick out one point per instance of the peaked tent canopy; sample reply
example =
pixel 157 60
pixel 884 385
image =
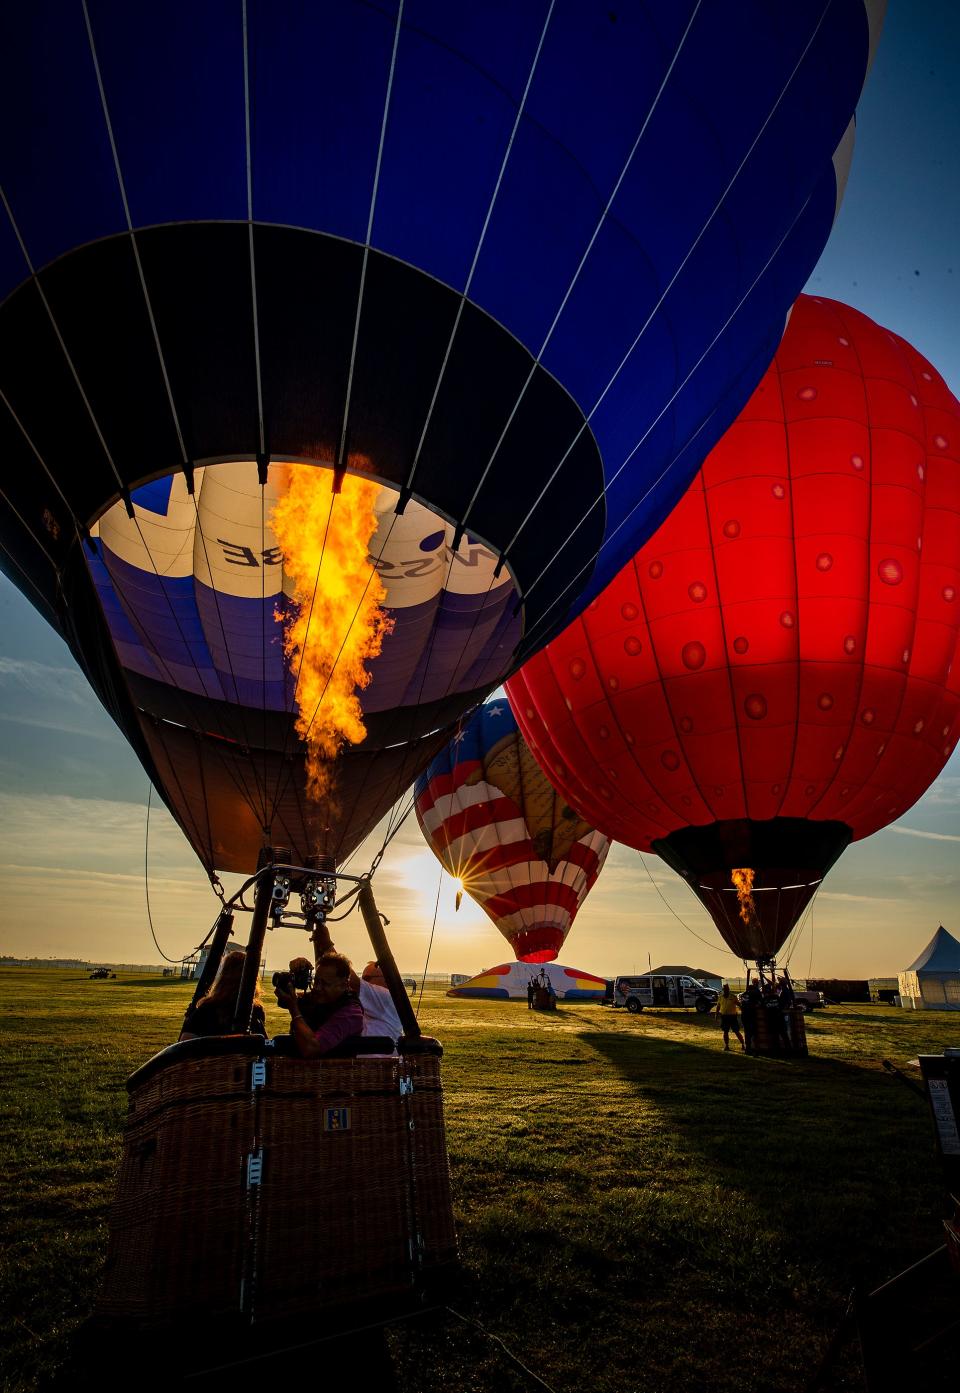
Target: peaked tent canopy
pixel 942 954
pixel 932 981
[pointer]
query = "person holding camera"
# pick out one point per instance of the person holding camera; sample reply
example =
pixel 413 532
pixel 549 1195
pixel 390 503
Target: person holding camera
pixel 327 1015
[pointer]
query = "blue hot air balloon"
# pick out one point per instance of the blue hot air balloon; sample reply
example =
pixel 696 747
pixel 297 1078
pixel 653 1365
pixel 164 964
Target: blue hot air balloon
pixel 519 264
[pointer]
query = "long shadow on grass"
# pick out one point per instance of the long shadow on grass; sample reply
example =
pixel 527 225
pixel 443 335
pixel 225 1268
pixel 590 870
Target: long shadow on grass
pixel 806 1143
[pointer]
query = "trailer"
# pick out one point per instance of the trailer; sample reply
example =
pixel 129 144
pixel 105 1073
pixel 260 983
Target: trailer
pixel 838 989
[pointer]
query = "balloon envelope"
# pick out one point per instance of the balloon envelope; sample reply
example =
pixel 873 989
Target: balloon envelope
pixel 496 823
pixel 774 675
pixel 509 981
pixel 519 265
pixel 195 591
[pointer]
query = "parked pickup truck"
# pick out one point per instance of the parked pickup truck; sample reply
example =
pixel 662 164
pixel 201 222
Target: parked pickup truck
pixel 808 1000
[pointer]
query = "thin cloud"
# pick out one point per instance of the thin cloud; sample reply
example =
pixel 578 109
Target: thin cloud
pixel 859 899
pixel 115 878
pixel 930 836
pixel 42 679
pixel 62 727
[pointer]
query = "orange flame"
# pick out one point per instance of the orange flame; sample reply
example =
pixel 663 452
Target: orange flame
pixel 743 880
pixel 337 625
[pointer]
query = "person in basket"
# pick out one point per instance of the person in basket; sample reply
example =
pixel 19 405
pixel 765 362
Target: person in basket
pixel 379 1013
pixel 213 1014
pixel 328 1014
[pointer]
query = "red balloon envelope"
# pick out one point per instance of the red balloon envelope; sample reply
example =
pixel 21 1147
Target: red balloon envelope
pixel 773 676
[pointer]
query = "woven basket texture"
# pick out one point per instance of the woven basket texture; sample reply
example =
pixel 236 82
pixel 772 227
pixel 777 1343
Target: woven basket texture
pixel 766 1041
pixel 353 1203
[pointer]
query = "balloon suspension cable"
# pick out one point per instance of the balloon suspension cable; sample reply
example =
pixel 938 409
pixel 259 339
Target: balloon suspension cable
pixel 392 831
pixel 214 881
pixel 146 883
pixel 393 827
pixel 433 929
pixel 353 896
pixel 797 933
pixel 676 916
pixel 810 963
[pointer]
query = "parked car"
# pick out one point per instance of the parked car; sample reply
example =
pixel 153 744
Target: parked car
pixel 100 972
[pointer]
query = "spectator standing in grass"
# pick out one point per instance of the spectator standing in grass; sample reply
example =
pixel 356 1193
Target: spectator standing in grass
pixel 727 1010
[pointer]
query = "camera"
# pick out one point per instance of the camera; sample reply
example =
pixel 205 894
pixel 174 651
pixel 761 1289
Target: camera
pixel 297 980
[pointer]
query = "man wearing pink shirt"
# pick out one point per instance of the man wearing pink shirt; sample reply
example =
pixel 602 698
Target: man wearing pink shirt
pixel 335 1013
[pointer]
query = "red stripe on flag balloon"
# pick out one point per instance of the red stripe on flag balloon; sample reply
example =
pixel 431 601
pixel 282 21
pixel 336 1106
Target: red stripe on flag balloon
pixel 496 857
pixel 475 817
pixel 540 893
pixel 442 785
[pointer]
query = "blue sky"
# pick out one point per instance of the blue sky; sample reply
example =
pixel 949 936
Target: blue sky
pixel 72 797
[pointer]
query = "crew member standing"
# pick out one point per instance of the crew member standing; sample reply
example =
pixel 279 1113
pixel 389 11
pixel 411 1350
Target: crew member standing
pixel 727 1007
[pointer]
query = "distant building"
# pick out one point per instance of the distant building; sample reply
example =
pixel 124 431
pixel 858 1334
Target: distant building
pixel 193 967
pixel 932 982
pixel 709 979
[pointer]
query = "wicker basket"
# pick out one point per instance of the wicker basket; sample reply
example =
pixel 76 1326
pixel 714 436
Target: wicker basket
pixel 256 1188
pixel 767 1038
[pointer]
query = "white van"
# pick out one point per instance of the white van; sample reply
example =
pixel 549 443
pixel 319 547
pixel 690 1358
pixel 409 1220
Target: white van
pixel 653 989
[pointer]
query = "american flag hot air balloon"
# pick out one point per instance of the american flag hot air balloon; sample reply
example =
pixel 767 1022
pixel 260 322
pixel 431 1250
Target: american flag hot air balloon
pixel 496 823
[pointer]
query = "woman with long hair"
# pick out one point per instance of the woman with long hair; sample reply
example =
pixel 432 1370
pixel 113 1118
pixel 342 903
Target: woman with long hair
pixel 213 1014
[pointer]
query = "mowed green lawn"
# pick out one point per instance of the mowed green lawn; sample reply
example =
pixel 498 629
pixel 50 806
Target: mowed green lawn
pixel 636 1209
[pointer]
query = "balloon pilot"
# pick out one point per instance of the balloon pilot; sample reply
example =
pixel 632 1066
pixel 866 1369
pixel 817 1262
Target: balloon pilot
pixel 542 994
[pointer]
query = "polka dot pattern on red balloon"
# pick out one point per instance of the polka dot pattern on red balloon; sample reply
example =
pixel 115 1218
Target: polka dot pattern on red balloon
pixel 794 621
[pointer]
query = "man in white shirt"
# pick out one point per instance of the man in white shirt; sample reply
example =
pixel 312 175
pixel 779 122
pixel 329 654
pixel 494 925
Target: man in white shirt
pixel 379 1013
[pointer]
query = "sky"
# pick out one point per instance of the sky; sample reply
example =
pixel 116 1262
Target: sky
pixel 73 798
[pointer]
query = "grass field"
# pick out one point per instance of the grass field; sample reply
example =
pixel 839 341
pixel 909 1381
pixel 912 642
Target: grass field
pixel 636 1209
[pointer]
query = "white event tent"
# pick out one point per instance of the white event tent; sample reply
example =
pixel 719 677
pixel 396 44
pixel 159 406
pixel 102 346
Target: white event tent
pixel 932 983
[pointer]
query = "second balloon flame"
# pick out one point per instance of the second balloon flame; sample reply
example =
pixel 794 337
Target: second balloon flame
pixel 742 878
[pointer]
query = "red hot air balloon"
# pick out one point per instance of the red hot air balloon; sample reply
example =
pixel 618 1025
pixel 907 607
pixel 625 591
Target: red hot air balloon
pixel 773 676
